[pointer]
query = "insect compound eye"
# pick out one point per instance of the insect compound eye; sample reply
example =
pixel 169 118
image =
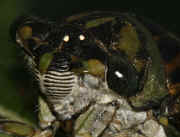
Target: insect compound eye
pixel 29 33
pixel 122 76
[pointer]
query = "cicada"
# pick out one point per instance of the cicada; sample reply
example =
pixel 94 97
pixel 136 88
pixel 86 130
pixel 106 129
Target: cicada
pixel 101 74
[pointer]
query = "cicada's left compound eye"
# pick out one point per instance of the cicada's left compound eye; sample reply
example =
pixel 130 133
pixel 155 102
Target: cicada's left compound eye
pixel 122 77
pixel 30 33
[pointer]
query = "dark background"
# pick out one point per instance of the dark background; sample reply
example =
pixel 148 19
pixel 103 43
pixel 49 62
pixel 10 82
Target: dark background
pixel 17 96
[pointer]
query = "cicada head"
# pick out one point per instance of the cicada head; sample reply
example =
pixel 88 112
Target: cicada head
pixel 113 49
pixel 46 43
pixel 58 53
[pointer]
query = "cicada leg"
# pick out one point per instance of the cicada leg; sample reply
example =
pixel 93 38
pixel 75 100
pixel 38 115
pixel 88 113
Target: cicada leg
pixel 47 122
pixel 14 128
pixel 17 129
pixel 94 121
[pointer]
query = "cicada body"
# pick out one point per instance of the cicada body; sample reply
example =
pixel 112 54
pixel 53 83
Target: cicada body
pixel 104 71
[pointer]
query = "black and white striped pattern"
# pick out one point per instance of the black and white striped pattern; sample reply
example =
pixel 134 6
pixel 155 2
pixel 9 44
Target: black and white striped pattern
pixel 58 84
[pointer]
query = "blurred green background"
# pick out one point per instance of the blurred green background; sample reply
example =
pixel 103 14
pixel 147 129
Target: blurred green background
pixel 18 96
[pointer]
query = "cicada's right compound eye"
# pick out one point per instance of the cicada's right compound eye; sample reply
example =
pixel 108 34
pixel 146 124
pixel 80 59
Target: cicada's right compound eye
pixel 30 33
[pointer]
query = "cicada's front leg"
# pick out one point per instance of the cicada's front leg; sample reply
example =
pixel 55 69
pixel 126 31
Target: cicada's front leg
pixel 18 129
pixel 14 128
pixel 48 125
pixel 94 121
pixel 47 121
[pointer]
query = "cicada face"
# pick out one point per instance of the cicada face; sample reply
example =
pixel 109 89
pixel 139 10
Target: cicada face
pixel 100 67
pixel 59 54
pixel 114 49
